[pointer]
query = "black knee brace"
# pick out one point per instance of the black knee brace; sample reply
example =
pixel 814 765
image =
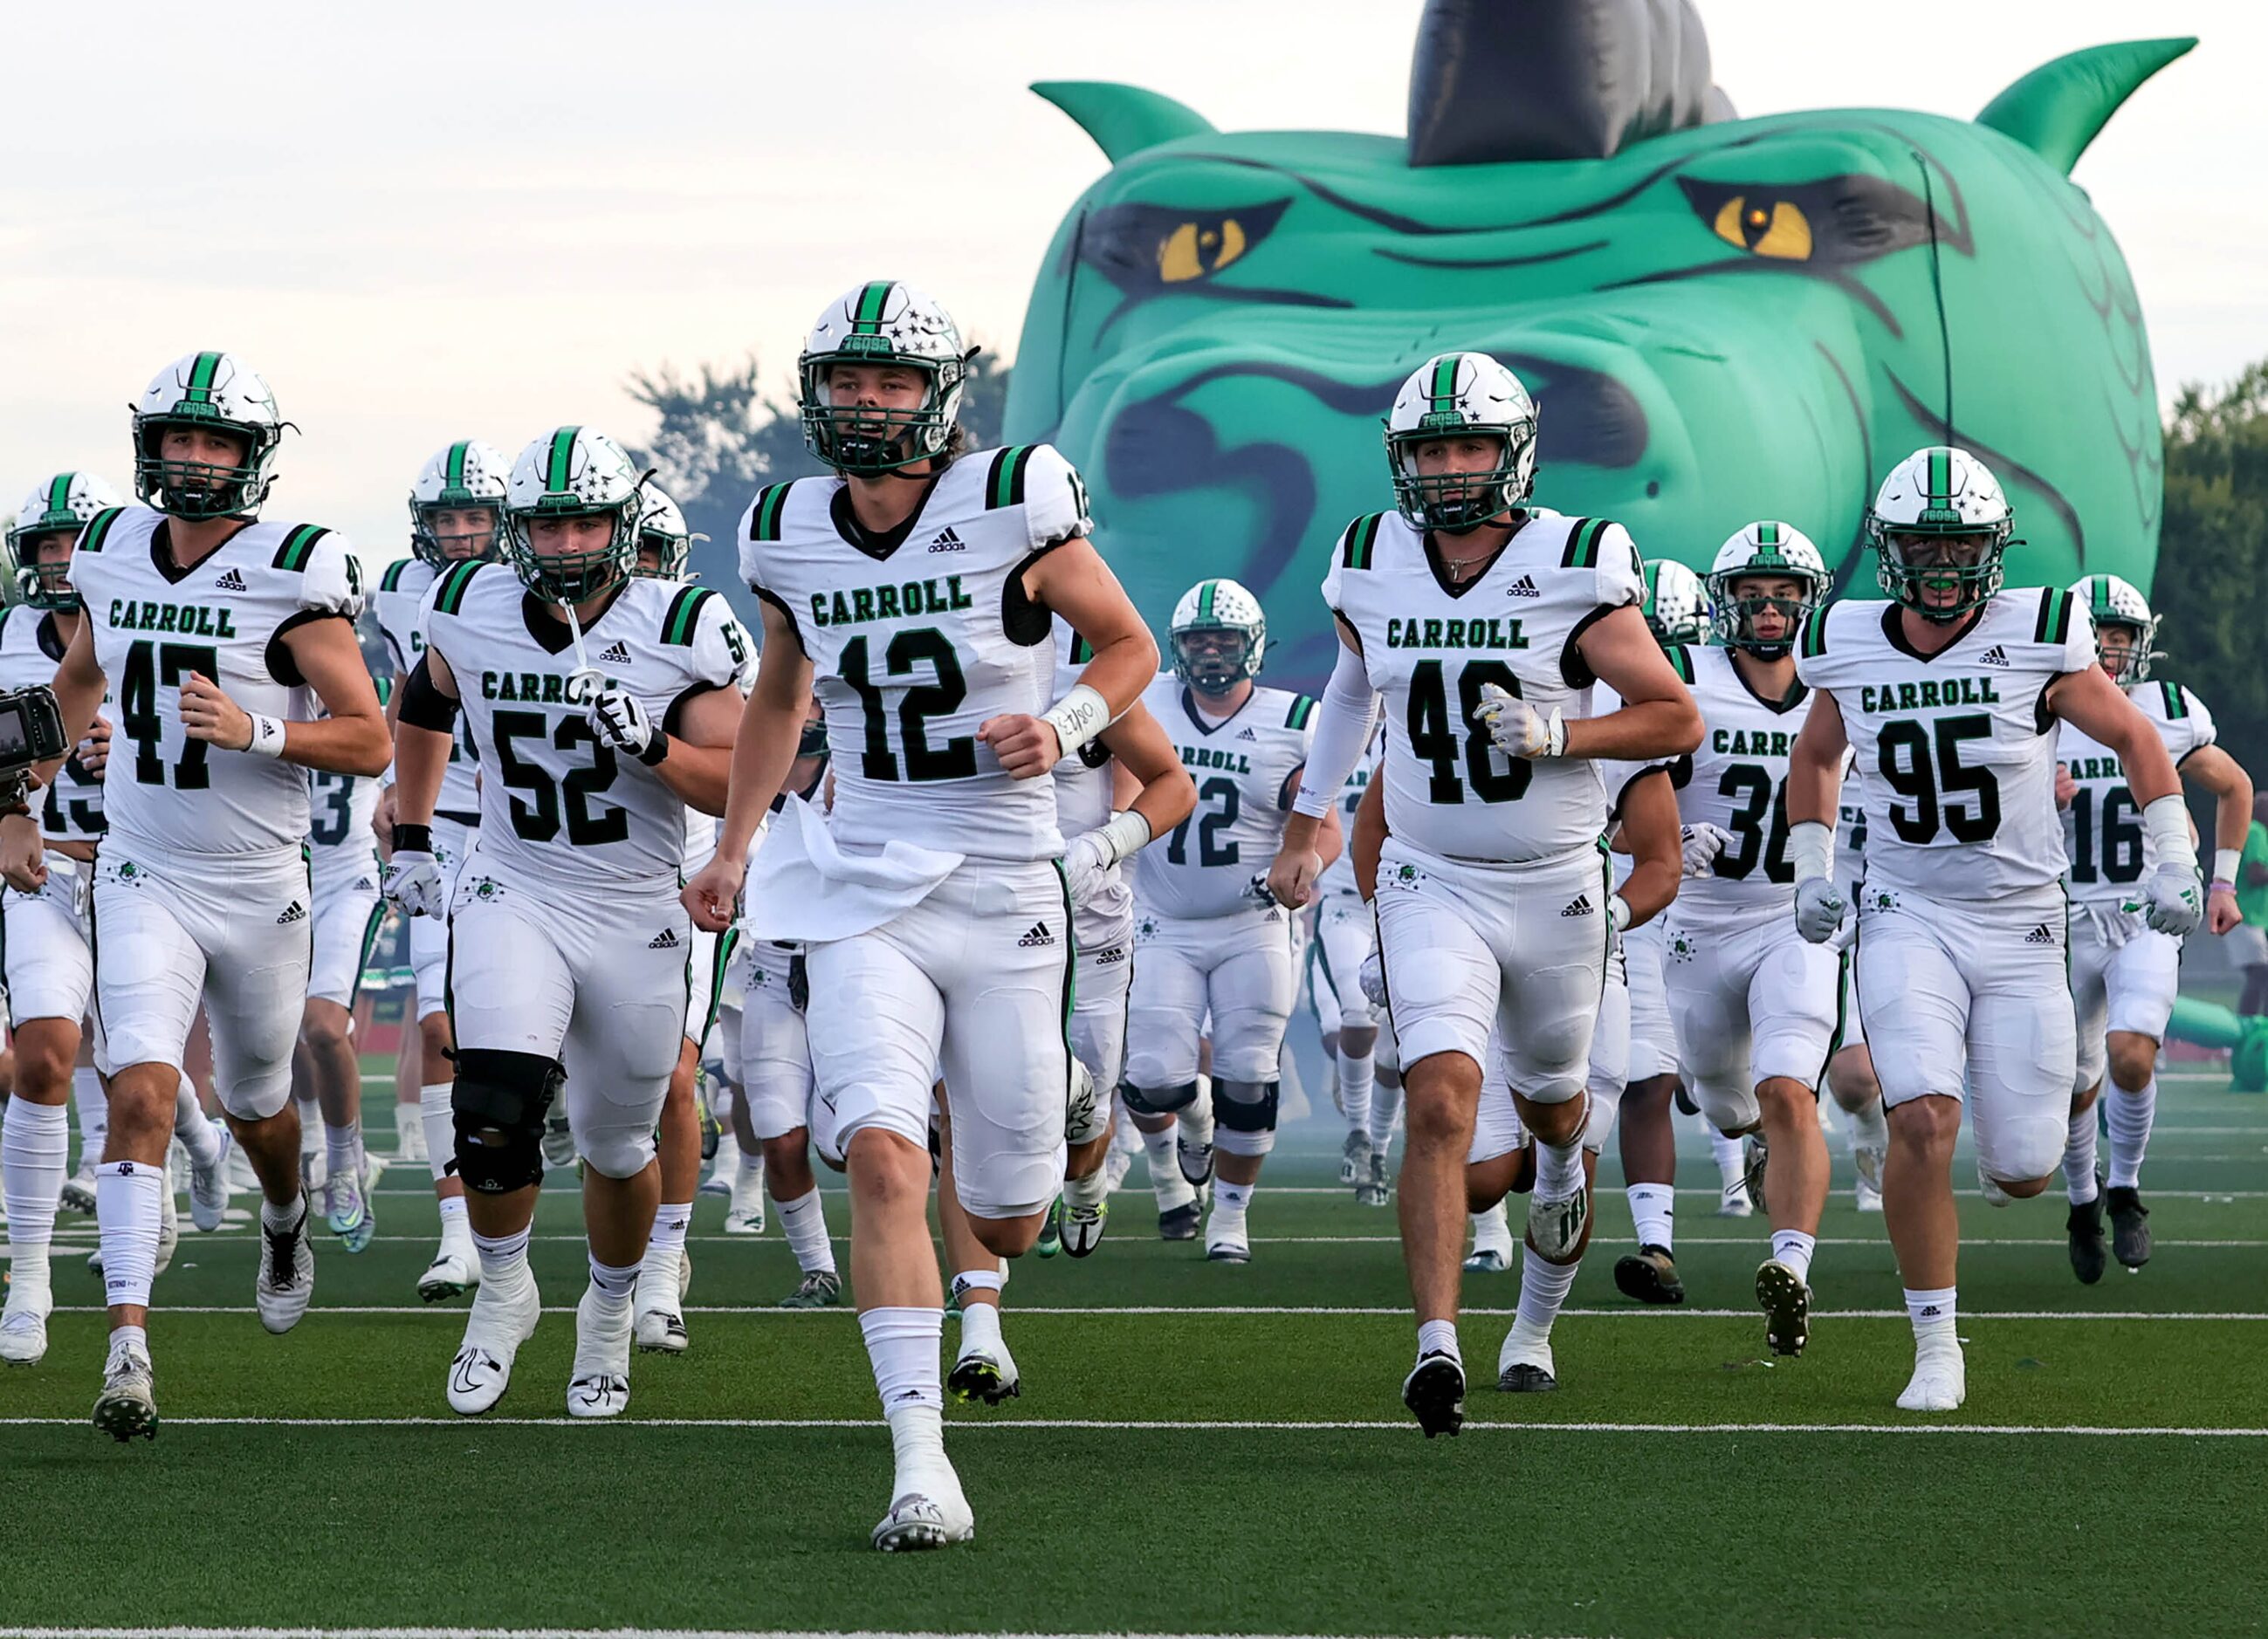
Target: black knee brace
pixel 1245 1107
pixel 1158 1100
pixel 499 1102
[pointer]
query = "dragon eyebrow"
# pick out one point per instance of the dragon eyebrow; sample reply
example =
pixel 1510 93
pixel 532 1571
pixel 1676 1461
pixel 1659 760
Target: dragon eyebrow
pixel 1493 262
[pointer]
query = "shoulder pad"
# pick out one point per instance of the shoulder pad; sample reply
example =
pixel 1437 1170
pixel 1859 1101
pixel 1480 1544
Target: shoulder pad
pixel 91 538
pixel 1583 535
pixel 391 581
pixel 1814 632
pixel 683 618
pixel 1004 479
pixel 1303 708
pixel 449 594
pixel 765 514
pixel 299 545
pixel 2054 624
pixel 1359 541
pixel 2177 699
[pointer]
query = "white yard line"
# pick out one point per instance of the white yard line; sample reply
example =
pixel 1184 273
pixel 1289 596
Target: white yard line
pixel 1634 1313
pixel 1399 1425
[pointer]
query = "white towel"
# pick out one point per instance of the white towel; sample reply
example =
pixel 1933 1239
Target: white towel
pixel 803 886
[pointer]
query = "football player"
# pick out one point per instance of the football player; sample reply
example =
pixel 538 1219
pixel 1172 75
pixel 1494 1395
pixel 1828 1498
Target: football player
pixel 1949 692
pixel 456 516
pixel 1484 622
pixel 1210 939
pixel 2125 972
pixel 1851 1071
pixel 212 624
pixel 1753 1003
pixel 601 704
pixel 1345 936
pixel 916 583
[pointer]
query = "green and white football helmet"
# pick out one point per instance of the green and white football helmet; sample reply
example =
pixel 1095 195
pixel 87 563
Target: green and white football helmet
pixel 1448 396
pixel 881 322
pixel 2114 603
pixel 467 475
pixel 1936 504
pixel 1780 551
pixel 61 506
pixel 215 391
pixel 1677 608
pixel 572 471
pixel 662 531
pixel 1206 610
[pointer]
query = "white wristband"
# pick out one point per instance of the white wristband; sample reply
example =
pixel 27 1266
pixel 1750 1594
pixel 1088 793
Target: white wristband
pixel 1811 850
pixel 1078 717
pixel 2225 861
pixel 1124 835
pixel 267 736
pixel 2167 824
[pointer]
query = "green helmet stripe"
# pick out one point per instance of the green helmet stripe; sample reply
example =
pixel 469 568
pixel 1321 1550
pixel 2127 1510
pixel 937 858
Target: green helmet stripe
pixel 562 448
pixel 1768 534
pixel 1444 390
pixel 1940 478
pixel 866 319
pixel 456 478
pixel 59 493
pixel 1205 600
pixel 200 379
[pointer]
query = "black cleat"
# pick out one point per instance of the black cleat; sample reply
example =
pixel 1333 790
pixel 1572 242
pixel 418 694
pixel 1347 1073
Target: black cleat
pixel 1786 1302
pixel 1180 1224
pixel 1520 1377
pixel 1683 1096
pixel 1434 1390
pixel 1650 1276
pixel 2129 1227
pixel 2089 1256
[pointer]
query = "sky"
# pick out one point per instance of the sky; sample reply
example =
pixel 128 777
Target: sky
pixel 424 221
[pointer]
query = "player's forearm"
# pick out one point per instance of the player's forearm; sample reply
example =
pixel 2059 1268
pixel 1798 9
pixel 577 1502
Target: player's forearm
pixel 2149 767
pixel 1369 839
pixel 358 745
pixel 2232 790
pixel 1637 732
pixel 701 776
pixel 1165 801
pixel 1122 668
pixel 764 750
pixel 1330 840
pixel 421 757
pixel 1651 886
pixel 1813 785
pixel 1344 721
pixel 78 688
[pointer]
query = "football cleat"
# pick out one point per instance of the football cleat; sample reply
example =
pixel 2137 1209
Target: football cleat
pixel 24 1324
pixel 1180 1223
pixel 1227 1239
pixel 348 1210
pixel 1376 1187
pixel 558 1141
pixel 1354 1158
pixel 127 1405
pixel 1524 1367
pixel 1732 1200
pixel 2082 1226
pixel 1434 1392
pixel 1939 1381
pixel 916 1522
pixel 1050 1240
pixel 746 1220
pixel 1486 1260
pixel 660 1301
pixel 1989 1187
pixel 822 1288
pixel 1491 1252
pixel 1754 1158
pixel 1683 1096
pixel 1081 1227
pixel 1868 1160
pixel 2129 1227
pixel 600 1386
pixel 78 1189
pixel 1556 1228
pixel 1650 1276
pixel 499 1323
pixel 453 1273
pixel 209 1186
pixel 986 1375
pixel 723 1176
pixel 410 1137
pixel 1786 1302
pixel 286 1280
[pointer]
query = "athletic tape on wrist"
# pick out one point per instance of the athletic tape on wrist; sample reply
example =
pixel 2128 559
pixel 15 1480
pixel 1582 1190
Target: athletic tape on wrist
pixel 1078 717
pixel 1811 850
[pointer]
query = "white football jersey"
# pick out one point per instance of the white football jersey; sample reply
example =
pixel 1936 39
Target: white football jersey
pixel 400 605
pixel 556 802
pixel 1956 752
pixel 2102 828
pixel 917 641
pixel 1085 798
pixel 1338 876
pixel 340 844
pixel 1737 782
pixel 154 625
pixel 1246 768
pixel 30 648
pixel 1428 649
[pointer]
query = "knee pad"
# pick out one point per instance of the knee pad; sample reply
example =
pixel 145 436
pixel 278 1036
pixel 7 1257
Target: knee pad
pixel 1158 1100
pixel 1244 1116
pixel 499 1103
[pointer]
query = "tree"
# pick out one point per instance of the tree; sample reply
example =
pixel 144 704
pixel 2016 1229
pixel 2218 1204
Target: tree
pixel 2212 582
pixel 727 432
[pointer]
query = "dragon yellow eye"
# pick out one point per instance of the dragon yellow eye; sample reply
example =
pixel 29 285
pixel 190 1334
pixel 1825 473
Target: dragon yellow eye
pixel 1778 230
pixel 1190 252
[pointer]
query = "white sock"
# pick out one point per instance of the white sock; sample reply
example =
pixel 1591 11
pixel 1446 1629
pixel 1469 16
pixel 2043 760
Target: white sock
pixel 93 1116
pixel 1870 1128
pixel 902 1344
pixel 804 1221
pixel 2079 1158
pixel 311 1129
pixel 1090 1191
pixel 980 1326
pixel 1793 1248
pixel 1232 1198
pixel 2129 1115
pixel 273 1216
pixel 125 1337
pixel 1438 1337
pixel 504 1257
pixel 614 1282
pixel 1654 1210
pixel 1357 1076
pixel 1933 1313
pixel 1542 1293
pixel 671 1220
pixel 456 1228
pixel 1172 1190
pixel 342 1148
pixel 1559 1167
pixel 1384 1110
pixel 129 1199
pixel 1493 1230
pixel 35 1147
pixel 198 1132
pixel 440 1125
pixel 748 1172
pixel 1731 1168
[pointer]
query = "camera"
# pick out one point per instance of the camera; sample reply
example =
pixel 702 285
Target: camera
pixel 31 733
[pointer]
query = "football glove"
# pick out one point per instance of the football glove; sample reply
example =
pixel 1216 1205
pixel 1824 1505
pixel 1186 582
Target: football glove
pixel 1086 865
pixel 1703 843
pixel 1517 728
pixel 2173 899
pixel 1371 977
pixel 1819 907
pixel 619 719
pixel 413 882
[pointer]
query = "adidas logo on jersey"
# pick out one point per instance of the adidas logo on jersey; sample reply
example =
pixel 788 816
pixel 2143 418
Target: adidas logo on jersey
pixel 665 940
pixel 231 581
pixel 1581 906
pixel 615 654
pixel 2041 935
pixel 1524 587
pixel 294 912
pixel 947 542
pixel 1038 936
pixel 1995 655
pixel 1245 733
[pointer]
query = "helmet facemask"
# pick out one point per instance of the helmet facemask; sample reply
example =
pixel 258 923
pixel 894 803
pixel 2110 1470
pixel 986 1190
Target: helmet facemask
pixel 43 582
pixel 1734 613
pixel 573 577
pixel 2134 655
pixel 1213 659
pixel 202 490
pixel 1457 502
pixel 671 554
pixel 441 550
pixel 1942 571
pixel 869 440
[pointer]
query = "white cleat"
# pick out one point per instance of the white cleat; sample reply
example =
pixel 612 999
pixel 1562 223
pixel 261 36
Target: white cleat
pixel 78 1189
pixel 1994 1195
pixel 209 1186
pixel 1940 1381
pixel 660 1301
pixel 24 1324
pixel 600 1385
pixel 725 1173
pixel 1115 1165
pixel 1868 1160
pixel 494 1331
pixel 934 1518
pixel 559 1142
pixel 286 1280
pixel 746 1220
pixel 1555 1228
pixel 169 1231
pixel 1733 1201
pixel 410 1137
pixel 986 1375
pixel 453 1273
pixel 127 1405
